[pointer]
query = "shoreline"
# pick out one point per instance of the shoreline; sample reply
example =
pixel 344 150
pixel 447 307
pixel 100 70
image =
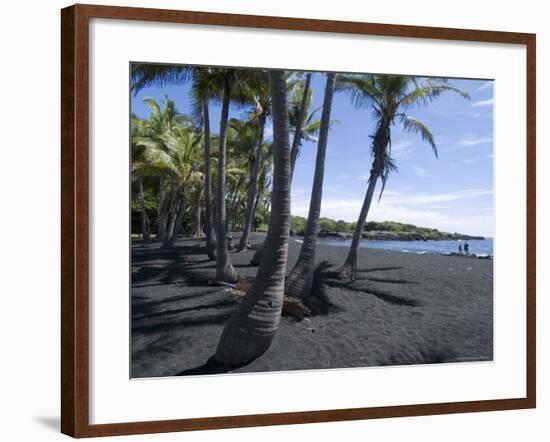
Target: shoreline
pixel 328 240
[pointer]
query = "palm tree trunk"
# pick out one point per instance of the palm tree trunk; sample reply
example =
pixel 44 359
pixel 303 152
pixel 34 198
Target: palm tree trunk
pixel 349 269
pixel 197 227
pixel 252 326
pixel 300 280
pixel 256 258
pixel 161 221
pixel 224 268
pixel 171 223
pixel 379 145
pixel 144 219
pixel 252 185
pixel 175 224
pixel 233 206
pixel 256 202
pixel 299 124
pixel 170 214
pixel 208 221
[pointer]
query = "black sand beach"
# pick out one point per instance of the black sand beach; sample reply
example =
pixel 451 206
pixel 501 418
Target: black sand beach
pixel 403 309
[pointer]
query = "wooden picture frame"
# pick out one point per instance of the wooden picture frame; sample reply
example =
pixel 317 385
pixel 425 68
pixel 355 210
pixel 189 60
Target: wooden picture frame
pixel 75 219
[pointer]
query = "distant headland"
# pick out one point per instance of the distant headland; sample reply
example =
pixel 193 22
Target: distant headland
pixel 378 231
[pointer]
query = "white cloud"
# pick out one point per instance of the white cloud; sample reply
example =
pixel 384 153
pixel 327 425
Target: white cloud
pixel 343 176
pixel 339 190
pixel 470 161
pixel 402 150
pixel 468 142
pixel 481 103
pixel 486 85
pixel 428 198
pixel 296 192
pixel 420 171
pixel 414 209
pixel 420 209
pixel 391 192
pixel 481 114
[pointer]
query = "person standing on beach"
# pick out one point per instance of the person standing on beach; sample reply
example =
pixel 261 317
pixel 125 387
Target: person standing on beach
pixel 460 248
pixel 466 248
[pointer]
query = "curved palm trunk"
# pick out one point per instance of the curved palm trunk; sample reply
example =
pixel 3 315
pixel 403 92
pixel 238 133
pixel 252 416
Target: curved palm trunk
pixel 300 280
pixel 252 326
pixel 252 185
pixel 256 258
pixel 299 124
pixel 380 143
pixel 144 219
pixel 349 269
pixel 208 221
pixel 224 268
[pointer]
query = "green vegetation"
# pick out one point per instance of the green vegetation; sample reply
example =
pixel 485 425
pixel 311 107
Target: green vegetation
pixel 375 230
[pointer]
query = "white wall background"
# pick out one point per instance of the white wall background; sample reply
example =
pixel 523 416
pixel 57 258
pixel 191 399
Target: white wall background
pixel 29 221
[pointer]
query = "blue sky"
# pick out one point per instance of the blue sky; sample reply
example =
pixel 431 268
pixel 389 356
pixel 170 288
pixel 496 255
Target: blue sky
pixel 453 193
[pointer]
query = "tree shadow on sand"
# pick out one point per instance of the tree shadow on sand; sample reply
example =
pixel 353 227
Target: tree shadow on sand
pixel 319 301
pixel 174 266
pixel 209 367
pixel 157 265
pixel 330 278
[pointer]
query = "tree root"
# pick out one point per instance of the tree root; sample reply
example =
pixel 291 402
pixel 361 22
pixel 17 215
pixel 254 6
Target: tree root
pixel 292 306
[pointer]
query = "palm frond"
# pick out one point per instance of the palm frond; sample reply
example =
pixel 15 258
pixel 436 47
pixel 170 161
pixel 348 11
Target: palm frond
pixel 389 167
pixel 144 75
pixel 361 89
pixel 153 107
pixel 425 92
pixel 414 126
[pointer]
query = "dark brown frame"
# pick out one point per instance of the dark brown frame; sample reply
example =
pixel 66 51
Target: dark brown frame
pixel 74 220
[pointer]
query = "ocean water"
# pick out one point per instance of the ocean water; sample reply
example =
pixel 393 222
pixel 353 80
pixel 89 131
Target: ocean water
pixel 478 247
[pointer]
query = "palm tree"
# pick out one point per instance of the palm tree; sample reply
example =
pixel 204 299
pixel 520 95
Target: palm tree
pixel 197 221
pixel 242 139
pixel 389 97
pixel 147 134
pixel 252 326
pixel 302 122
pixel 204 89
pixel 224 269
pixel 171 149
pixel 262 103
pixel 299 113
pixel 184 146
pixel 205 86
pixel 300 280
pixel 138 128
